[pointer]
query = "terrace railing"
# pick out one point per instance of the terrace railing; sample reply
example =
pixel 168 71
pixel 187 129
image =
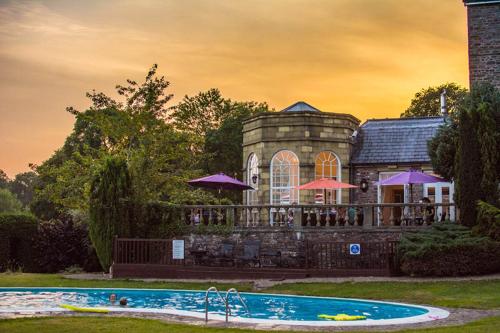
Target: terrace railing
pixel 314 215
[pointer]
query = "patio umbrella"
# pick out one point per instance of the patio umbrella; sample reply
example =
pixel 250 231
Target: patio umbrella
pixel 219 182
pixel 411 177
pixel 325 184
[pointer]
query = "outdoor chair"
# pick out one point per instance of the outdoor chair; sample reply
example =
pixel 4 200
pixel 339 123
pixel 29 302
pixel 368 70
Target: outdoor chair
pixel 251 254
pixel 225 255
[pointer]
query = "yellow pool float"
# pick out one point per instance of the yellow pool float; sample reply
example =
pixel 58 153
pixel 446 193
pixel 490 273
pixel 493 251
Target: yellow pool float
pixel 78 309
pixel 341 317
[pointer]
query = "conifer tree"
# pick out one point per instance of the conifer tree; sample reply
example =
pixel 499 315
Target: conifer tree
pixel 109 207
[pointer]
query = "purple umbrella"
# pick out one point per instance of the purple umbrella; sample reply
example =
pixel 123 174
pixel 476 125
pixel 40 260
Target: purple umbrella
pixel 409 178
pixel 219 182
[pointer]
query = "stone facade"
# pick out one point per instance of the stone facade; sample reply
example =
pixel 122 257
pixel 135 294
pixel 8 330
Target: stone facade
pixel 483 19
pixel 304 133
pixel 290 244
pixel 371 173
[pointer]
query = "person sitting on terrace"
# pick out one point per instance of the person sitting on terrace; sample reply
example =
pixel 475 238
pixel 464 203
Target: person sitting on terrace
pixel 429 211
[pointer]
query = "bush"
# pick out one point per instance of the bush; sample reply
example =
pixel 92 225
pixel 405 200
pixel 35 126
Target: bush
pixel 448 250
pixel 60 244
pixel 488 220
pixel 17 231
pixel 9 203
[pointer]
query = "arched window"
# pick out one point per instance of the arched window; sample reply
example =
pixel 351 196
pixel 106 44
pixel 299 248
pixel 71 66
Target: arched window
pixel 327 165
pixel 284 178
pixel 252 179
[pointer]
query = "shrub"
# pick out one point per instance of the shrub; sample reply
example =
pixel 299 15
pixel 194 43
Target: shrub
pixel 60 244
pixel 8 202
pixel 448 250
pixel 488 220
pixel 17 231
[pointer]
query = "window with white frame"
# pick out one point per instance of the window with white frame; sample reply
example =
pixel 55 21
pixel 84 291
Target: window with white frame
pixel 327 165
pixel 252 179
pixel 284 178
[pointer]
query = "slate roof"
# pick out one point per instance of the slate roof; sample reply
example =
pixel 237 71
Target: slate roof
pixel 480 2
pixel 394 141
pixel 300 107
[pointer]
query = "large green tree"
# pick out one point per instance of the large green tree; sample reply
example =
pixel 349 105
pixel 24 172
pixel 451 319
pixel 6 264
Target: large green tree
pixel 4 179
pixel 443 150
pixel 159 157
pixel 110 200
pixel 215 125
pixel 9 202
pixel 23 186
pixel 426 102
pixel 477 166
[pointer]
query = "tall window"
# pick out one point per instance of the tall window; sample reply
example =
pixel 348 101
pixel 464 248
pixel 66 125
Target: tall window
pixel 327 165
pixel 252 179
pixel 284 178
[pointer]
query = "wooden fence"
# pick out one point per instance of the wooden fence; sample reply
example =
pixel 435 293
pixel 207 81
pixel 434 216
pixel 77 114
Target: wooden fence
pixel 144 251
pixel 337 255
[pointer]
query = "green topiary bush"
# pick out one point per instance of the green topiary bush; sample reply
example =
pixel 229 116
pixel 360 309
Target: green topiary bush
pixel 17 231
pixel 448 250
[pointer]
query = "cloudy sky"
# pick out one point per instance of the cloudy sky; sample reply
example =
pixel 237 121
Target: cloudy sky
pixel 365 57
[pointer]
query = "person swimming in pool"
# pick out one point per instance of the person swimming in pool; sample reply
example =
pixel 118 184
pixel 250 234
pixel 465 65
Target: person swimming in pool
pixel 112 299
pixel 123 301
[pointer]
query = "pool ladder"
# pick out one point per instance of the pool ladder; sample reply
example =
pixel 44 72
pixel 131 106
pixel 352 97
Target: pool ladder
pixel 225 301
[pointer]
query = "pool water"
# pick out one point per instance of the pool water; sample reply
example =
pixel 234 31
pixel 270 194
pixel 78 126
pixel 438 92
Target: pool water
pixel 262 306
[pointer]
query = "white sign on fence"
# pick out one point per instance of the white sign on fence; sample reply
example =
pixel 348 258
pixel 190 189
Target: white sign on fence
pixel 178 249
pixel 354 249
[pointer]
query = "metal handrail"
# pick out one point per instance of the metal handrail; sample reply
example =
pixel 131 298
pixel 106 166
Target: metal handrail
pixel 228 308
pixel 214 289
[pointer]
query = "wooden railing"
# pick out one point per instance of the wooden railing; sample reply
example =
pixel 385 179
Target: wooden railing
pixel 298 216
pixel 144 251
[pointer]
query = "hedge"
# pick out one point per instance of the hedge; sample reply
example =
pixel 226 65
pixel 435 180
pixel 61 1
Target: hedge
pixel 448 250
pixel 17 231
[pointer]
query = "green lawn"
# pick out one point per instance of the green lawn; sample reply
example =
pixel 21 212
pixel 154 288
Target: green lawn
pixel 56 280
pixel 119 325
pixel 466 294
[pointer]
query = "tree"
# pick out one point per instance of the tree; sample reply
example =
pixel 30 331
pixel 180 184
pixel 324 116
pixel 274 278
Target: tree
pixel 4 179
pixel 215 126
pixel 111 193
pixel 159 157
pixel 443 149
pixel 477 167
pixel 23 186
pixel 9 202
pixel 426 102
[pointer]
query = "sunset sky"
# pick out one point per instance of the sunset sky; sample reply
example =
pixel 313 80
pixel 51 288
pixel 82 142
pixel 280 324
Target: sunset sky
pixel 364 57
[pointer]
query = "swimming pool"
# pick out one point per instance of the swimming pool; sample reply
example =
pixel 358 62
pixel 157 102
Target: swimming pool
pixel 264 308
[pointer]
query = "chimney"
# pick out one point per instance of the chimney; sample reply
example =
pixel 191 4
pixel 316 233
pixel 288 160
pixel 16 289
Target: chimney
pixel 444 109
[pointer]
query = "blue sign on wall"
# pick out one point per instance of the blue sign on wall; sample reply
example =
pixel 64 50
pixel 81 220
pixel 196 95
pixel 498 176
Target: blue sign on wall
pixel 354 249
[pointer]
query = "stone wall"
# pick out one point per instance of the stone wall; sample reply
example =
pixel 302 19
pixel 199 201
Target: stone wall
pixel 288 242
pixel 484 43
pixel 304 133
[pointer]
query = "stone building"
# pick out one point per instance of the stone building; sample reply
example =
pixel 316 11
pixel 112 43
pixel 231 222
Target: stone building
pixel 301 143
pixel 483 18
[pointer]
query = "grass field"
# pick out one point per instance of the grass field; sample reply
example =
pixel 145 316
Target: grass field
pixel 463 294
pixel 119 325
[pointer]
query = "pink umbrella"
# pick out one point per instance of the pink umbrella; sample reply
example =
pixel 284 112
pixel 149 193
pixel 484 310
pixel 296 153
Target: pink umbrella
pixel 219 182
pixel 325 184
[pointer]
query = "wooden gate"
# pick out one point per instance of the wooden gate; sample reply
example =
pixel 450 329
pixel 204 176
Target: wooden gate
pixel 136 251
